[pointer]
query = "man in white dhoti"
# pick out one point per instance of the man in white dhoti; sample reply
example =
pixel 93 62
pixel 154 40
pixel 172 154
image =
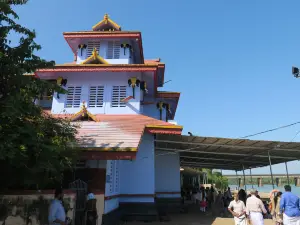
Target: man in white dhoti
pixel 238 210
pixel 255 208
pixel 290 207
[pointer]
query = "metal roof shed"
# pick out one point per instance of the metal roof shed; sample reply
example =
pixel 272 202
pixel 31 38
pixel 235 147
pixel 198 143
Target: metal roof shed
pixel 226 153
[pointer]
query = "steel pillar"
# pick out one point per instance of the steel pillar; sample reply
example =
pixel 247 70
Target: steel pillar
pixel 270 162
pixel 287 173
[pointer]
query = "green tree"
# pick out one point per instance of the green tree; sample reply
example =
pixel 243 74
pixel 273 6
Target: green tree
pixel 34 147
pixel 217 178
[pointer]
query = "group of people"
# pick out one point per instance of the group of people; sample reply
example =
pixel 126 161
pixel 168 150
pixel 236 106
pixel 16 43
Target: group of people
pixel 284 208
pixel 210 198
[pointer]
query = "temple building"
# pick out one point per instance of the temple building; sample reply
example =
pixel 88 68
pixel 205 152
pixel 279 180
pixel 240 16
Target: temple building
pixel 112 94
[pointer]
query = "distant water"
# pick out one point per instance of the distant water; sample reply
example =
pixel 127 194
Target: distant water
pixel 268 188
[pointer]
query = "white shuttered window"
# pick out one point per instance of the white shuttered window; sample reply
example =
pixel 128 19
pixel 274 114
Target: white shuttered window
pixel 96 96
pixel 73 97
pixel 90 47
pixel 113 50
pixel 118 93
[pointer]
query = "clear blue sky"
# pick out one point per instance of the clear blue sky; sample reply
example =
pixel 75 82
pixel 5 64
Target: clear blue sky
pixel 230 59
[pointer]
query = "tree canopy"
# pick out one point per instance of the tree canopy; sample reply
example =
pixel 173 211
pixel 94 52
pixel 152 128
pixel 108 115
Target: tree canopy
pixel 217 178
pixel 34 147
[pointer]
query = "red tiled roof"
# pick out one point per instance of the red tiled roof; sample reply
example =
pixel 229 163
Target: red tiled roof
pixel 152 60
pixel 118 132
pixel 68 63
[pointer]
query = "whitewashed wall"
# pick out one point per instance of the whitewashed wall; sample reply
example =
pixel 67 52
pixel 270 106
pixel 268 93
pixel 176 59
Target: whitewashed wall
pixel 137 176
pixel 106 79
pixel 167 174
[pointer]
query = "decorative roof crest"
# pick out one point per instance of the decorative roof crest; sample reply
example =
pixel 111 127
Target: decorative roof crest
pixel 106 25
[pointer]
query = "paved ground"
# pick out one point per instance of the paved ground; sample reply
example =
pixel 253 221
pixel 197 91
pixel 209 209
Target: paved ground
pixel 195 217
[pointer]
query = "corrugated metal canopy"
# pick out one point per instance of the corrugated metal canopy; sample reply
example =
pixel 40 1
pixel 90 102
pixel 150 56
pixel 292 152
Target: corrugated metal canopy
pixel 226 153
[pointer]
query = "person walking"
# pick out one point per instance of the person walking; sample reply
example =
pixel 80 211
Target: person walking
pixel 218 205
pixel 91 209
pixel 275 212
pixel 290 207
pixel 238 210
pixel 228 195
pixel 57 214
pixel 202 199
pixel 255 208
pixel 210 197
pixel 242 195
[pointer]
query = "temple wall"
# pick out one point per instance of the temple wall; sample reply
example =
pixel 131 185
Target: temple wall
pixel 167 175
pixel 137 176
pixel 99 205
pixel 20 206
pixel 152 111
pixel 106 79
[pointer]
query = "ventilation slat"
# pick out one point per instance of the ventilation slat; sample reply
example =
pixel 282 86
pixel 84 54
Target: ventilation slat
pixel 118 93
pixel 96 96
pixel 73 98
pixel 90 47
pixel 113 50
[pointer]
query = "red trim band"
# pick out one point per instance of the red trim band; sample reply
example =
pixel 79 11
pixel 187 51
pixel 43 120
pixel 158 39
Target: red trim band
pixel 96 155
pixel 97 69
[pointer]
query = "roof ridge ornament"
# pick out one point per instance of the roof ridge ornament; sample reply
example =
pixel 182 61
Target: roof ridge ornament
pixel 105 18
pixel 106 24
pixel 95 57
pixel 82 113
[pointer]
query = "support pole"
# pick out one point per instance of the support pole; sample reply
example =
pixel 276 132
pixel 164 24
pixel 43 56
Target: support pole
pixel 287 173
pixel 237 180
pixel 271 170
pixel 244 178
pixel 251 177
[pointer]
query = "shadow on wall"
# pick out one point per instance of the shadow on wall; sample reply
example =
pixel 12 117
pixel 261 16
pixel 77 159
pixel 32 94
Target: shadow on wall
pixel 29 210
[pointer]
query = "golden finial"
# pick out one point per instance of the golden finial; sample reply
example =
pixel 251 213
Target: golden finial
pixel 106 17
pixel 95 53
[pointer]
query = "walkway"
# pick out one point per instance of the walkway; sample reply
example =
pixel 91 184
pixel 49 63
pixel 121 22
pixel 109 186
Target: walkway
pixel 194 217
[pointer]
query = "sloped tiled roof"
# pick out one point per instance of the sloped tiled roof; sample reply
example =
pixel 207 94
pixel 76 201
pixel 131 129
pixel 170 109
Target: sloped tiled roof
pixel 118 132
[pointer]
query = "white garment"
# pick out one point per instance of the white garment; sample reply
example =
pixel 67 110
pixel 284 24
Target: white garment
pixel 291 220
pixel 238 206
pixel 199 196
pixel 256 218
pixel 240 220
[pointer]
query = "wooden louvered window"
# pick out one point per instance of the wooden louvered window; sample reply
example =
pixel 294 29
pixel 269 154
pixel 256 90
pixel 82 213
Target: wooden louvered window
pixel 113 50
pixel 96 96
pixel 118 93
pixel 73 97
pixel 90 47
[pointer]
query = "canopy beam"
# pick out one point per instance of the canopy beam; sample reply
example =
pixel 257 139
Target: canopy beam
pixel 223 153
pixel 228 146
